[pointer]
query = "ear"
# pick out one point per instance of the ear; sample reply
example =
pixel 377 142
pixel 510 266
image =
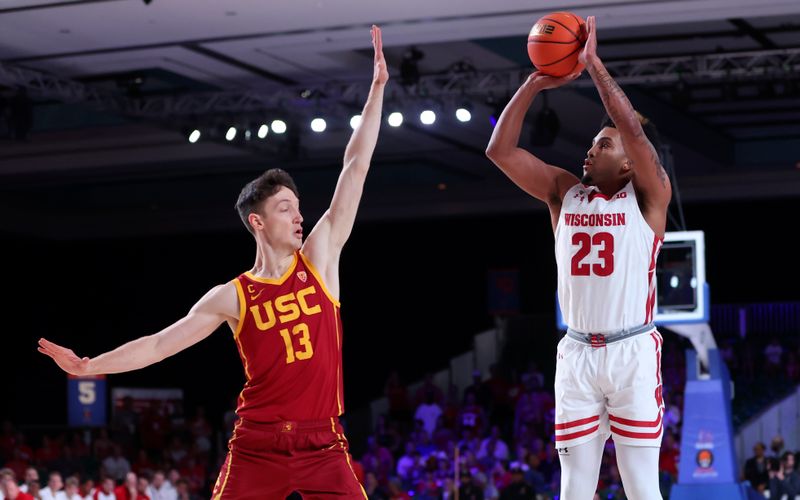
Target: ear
pixel 256 221
pixel 627 166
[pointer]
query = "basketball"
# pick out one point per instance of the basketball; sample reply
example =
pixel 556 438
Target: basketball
pixel 555 42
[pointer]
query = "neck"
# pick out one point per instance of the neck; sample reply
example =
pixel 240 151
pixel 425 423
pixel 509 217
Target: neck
pixel 271 262
pixel 612 187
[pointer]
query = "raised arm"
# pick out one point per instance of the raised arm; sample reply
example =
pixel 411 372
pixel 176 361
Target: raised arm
pixel 326 240
pixel 216 306
pixel 542 181
pixel 650 180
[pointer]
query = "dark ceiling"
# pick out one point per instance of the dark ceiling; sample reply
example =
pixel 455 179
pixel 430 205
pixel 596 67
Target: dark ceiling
pixel 111 104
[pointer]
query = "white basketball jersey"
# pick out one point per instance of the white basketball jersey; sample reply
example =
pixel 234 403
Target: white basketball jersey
pixel 606 255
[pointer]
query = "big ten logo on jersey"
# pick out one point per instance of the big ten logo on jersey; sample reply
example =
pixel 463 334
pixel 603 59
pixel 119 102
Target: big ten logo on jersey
pixel 284 309
pixel 542 29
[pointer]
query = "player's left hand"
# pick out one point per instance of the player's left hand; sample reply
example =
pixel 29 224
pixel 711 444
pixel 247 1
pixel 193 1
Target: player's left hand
pixel 381 73
pixel 64 358
pixel 589 52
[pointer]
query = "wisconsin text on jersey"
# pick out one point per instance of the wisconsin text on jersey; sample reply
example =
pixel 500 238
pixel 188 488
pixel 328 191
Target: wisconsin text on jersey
pixel 615 219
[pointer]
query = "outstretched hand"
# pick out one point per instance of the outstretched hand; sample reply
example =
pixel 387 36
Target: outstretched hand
pixel 544 82
pixel 589 52
pixel 64 358
pixel 381 73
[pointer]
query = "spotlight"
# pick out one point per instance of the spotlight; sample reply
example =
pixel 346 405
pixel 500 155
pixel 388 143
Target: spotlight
pixel 194 136
pixel 427 117
pixel 355 121
pixel 230 134
pixel 278 126
pixel 395 119
pixel 463 114
pixel 318 125
pixel 263 130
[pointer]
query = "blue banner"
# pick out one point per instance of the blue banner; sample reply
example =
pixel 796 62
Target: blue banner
pixel 86 401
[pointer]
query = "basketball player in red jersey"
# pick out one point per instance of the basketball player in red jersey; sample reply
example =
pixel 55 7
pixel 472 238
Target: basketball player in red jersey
pixel 284 313
pixel 608 228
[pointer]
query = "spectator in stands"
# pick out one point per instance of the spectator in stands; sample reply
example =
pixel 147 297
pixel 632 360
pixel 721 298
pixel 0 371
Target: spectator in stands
pixel 124 424
pixel 54 488
pixel 182 487
pixel 533 475
pixel 773 354
pixel 519 489
pixel 160 488
pixel 482 393
pixel 428 412
pixel 443 437
pixel 201 430
pixel 783 481
pixel 87 489
pixel 9 489
pixel 116 466
pixel 469 490
pixel 230 418
pixel 755 468
pixel 493 446
pixel 106 490
pixel 396 491
pixel 154 427
pixel 776 447
pixel 31 476
pixel 129 490
pixel 373 489
pixel 472 416
pixel 668 457
pixel 71 489
pixel 421 396
pixel 377 459
pixel 407 462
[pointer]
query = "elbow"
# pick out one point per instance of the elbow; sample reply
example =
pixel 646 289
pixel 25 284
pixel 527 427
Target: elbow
pixel 493 152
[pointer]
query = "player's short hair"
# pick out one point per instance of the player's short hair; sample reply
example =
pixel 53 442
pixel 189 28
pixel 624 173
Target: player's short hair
pixel 261 188
pixel 649 128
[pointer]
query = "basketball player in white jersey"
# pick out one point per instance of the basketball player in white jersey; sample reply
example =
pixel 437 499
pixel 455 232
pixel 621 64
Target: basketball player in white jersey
pixel 608 228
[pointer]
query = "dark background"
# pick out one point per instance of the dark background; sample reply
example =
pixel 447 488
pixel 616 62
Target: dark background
pixel 413 294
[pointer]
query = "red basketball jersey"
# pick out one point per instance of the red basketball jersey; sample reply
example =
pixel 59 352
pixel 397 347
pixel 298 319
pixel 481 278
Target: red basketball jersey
pixel 290 340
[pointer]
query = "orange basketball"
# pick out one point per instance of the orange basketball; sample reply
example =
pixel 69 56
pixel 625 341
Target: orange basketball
pixel 555 42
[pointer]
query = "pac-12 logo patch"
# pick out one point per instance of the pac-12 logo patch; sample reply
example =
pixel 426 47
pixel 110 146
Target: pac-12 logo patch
pixel 302 275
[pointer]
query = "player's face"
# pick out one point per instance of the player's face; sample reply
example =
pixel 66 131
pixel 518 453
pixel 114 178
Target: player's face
pixel 605 159
pixel 282 221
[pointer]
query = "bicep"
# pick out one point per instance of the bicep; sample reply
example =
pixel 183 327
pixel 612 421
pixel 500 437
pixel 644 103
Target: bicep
pixel 214 308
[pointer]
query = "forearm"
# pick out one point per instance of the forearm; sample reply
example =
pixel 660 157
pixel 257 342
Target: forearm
pixel 617 105
pixel 362 143
pixel 127 357
pixel 505 136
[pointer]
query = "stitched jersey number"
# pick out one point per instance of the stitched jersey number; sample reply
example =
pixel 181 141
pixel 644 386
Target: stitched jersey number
pixel 306 349
pixel 584 242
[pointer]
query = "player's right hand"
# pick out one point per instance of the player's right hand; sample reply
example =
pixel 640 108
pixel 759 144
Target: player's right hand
pixel 64 358
pixel 544 82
